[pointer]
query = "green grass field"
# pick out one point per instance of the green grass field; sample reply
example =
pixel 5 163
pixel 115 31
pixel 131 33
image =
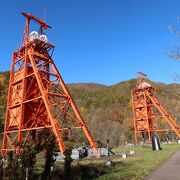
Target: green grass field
pixel 141 164
pixel 133 168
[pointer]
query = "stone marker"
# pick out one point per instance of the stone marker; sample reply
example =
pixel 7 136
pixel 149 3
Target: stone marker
pixel 108 163
pixel 124 156
pixel 132 152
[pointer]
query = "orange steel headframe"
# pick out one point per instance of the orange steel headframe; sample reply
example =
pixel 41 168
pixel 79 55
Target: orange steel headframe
pixel 148 112
pixel 38 97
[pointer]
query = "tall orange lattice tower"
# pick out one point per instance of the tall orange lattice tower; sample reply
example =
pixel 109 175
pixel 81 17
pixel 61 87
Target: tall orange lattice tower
pixel 38 97
pixel 148 113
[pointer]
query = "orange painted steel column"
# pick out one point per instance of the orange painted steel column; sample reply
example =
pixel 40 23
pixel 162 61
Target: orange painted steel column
pixel 143 104
pixel 38 97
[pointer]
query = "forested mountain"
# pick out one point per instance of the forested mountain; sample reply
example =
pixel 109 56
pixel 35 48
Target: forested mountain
pixel 107 109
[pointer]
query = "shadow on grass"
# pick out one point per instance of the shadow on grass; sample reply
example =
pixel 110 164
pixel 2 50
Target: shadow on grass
pixel 88 172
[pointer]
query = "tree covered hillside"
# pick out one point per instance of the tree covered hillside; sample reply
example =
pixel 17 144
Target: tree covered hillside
pixel 107 109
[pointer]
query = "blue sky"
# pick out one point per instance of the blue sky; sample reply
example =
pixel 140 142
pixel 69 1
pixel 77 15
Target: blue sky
pixel 101 41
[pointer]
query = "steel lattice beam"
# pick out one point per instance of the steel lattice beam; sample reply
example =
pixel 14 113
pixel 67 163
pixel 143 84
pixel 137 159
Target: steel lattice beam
pixel 38 97
pixel 144 105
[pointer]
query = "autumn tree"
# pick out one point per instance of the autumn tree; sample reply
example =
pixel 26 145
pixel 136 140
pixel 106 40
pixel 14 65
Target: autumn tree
pixel 174 51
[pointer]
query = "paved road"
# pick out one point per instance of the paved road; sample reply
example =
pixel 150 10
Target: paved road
pixel 170 170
